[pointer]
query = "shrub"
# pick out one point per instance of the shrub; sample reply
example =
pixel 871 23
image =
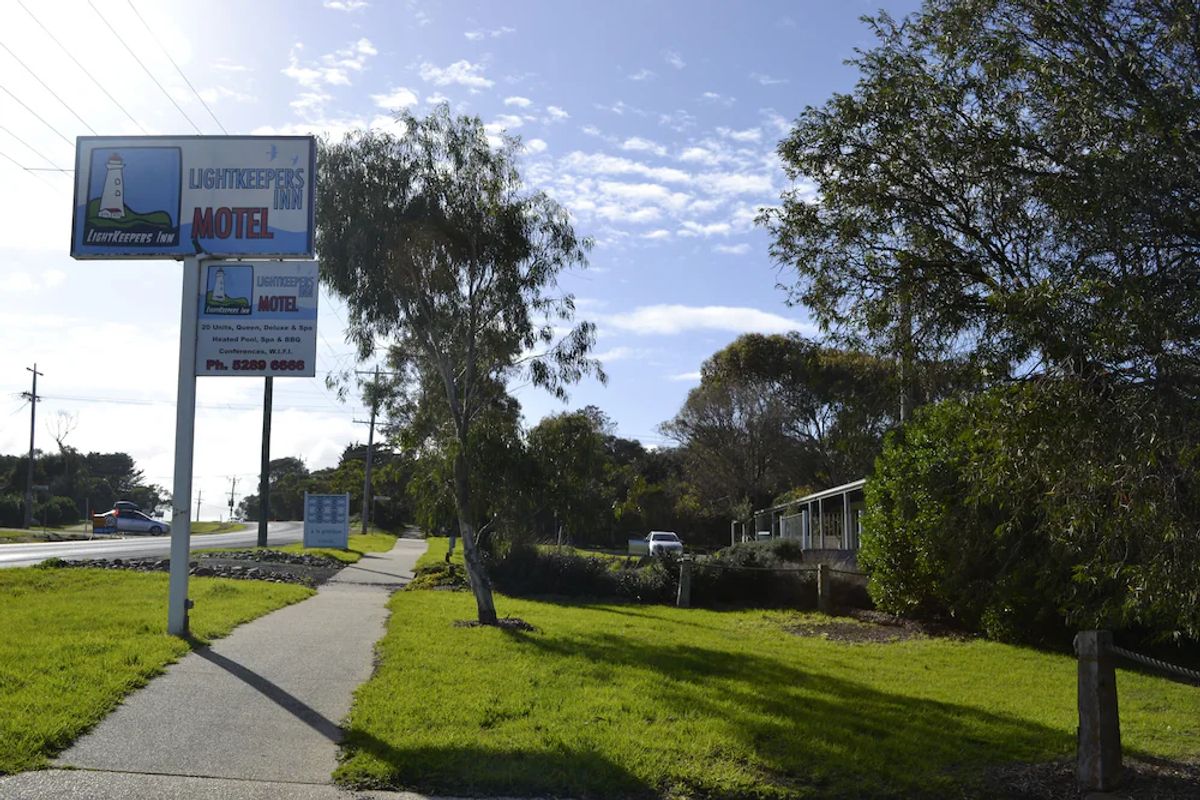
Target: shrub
pixel 12 511
pixel 1052 503
pixel 58 511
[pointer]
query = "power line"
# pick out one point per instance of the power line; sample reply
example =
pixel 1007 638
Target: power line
pixel 47 88
pixel 82 68
pixel 61 135
pixel 32 173
pixel 145 69
pixel 177 69
pixel 31 148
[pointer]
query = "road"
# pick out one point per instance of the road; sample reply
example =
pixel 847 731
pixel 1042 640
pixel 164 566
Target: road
pixel 28 554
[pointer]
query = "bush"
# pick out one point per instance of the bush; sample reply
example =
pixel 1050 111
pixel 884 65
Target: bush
pixel 525 570
pixel 12 511
pixel 1024 510
pixel 58 511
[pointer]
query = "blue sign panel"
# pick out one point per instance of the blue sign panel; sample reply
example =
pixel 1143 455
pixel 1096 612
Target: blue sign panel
pixel 169 197
pixel 326 520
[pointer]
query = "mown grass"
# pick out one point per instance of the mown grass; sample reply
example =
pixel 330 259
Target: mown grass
pixel 359 545
pixel 202 528
pixel 75 641
pixel 621 700
pixel 435 553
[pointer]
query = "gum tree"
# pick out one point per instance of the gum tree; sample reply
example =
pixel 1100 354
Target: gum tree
pixel 444 257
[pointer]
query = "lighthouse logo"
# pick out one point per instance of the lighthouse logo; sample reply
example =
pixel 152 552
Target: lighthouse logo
pixel 228 289
pixel 133 197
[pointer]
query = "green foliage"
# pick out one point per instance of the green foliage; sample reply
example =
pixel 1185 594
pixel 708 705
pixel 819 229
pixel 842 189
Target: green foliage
pixel 1007 182
pixel 76 641
pixel 526 570
pixel 1047 504
pixel 57 511
pixel 660 702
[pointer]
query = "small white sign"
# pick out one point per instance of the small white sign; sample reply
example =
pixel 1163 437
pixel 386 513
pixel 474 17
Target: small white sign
pixel 257 319
pixel 327 520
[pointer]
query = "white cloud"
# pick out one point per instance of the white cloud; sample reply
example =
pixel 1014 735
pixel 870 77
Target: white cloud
pixel 437 98
pixel 776 121
pixel 462 73
pixel 748 135
pixel 535 146
pixel 659 234
pixel 766 80
pixel 504 122
pixel 519 102
pixel 556 114
pixel 638 144
pixel 642 75
pixel 346 5
pixel 331 69
pixel 699 155
pixel 615 165
pixel 693 228
pixel 216 94
pixel 732 183
pixel 476 36
pixel 691 377
pixel 733 249
pixel 621 353
pixel 674 59
pixel 397 98
pixel 645 193
pixel 719 99
pixel 675 319
pixel 677 120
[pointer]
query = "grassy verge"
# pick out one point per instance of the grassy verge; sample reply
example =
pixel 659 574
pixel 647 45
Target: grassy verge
pixel 201 528
pixel 435 553
pixel 376 541
pixel 621 700
pixel 75 641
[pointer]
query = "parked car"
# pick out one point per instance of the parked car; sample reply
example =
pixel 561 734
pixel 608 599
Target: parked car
pixel 660 542
pixel 126 505
pixel 127 521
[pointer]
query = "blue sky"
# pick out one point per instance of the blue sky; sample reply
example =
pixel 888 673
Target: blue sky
pixel 654 123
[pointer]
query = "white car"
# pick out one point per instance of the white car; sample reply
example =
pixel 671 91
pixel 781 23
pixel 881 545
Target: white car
pixel 128 521
pixel 660 542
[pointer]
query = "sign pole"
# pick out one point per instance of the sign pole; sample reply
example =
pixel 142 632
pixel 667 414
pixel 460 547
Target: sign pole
pixel 185 428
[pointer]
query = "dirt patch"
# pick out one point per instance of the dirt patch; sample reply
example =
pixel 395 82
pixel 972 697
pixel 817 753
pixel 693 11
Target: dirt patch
pixel 1144 779
pixel 504 623
pixel 874 627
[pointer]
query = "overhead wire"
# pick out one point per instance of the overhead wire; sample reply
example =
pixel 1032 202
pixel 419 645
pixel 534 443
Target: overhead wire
pixel 53 94
pixel 177 68
pixel 145 69
pixel 23 105
pixel 31 148
pixel 82 68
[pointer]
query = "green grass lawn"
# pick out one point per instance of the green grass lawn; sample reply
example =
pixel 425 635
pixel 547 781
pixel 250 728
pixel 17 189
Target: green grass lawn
pixel 202 528
pixel 435 552
pixel 376 541
pixel 625 700
pixel 75 641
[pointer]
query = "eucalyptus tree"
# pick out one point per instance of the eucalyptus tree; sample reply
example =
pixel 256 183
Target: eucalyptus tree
pixel 1013 181
pixel 444 256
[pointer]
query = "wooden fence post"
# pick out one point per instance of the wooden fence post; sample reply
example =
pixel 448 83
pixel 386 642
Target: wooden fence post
pixel 684 598
pixel 824 598
pixel 1098 767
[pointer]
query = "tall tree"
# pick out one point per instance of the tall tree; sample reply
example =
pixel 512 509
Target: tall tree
pixel 1011 180
pixel 438 248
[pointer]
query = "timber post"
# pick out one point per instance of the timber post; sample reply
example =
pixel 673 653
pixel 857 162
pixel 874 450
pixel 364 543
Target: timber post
pixel 684 598
pixel 1098 766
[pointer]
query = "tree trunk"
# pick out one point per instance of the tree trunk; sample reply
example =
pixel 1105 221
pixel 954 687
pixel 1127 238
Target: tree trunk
pixel 481 587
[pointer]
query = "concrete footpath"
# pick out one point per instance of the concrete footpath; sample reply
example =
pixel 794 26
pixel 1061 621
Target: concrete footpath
pixel 254 716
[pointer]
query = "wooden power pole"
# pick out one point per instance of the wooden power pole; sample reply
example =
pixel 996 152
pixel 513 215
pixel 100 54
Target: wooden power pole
pixel 33 399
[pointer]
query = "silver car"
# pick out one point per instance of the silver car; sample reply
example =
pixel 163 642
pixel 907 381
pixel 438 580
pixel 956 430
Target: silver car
pixel 664 542
pixel 127 521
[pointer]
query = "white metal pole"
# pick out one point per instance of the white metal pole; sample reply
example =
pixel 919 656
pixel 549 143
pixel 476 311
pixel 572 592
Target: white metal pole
pixel 185 428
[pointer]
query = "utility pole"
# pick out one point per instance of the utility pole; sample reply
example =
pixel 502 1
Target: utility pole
pixel 33 399
pixel 366 506
pixel 232 488
pixel 264 472
pixel 199 497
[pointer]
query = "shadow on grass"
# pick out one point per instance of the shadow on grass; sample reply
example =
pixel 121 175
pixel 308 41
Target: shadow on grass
pixel 737 724
pixel 811 733
pixel 478 771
